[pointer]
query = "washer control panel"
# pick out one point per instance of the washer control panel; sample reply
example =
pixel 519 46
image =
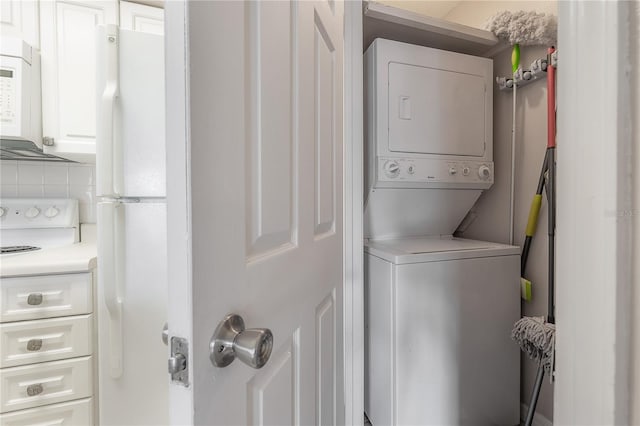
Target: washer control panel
pixel 417 172
pixel 25 213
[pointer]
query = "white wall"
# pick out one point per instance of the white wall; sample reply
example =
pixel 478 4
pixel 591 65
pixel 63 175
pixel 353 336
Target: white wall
pixel 594 236
pixel 475 13
pixel 38 179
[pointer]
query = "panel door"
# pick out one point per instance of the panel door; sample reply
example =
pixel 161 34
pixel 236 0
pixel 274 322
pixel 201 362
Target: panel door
pixel 69 74
pixel 265 125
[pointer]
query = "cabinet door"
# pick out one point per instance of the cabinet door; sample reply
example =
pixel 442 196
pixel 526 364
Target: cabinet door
pixel 45 383
pixel 141 18
pixel 19 18
pixel 69 74
pixel 74 413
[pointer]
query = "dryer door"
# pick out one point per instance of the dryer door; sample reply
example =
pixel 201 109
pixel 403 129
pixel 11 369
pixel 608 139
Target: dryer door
pixel 436 111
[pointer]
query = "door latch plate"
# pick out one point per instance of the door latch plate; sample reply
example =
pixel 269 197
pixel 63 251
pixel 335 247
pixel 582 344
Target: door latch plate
pixel 179 350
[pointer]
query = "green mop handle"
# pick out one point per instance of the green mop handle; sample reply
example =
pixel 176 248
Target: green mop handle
pixel 515 59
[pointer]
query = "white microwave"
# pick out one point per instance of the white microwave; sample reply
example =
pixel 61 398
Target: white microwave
pixel 20 92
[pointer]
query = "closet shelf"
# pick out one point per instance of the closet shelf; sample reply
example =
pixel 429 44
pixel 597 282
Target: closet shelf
pixel 383 21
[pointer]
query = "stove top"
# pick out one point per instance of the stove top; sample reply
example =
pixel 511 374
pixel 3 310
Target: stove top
pixel 28 224
pixel 17 249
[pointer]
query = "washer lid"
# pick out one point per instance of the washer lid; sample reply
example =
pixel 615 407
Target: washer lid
pixel 432 249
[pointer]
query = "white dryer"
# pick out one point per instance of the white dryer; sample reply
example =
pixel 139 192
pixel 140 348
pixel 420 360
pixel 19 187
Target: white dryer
pixel 439 309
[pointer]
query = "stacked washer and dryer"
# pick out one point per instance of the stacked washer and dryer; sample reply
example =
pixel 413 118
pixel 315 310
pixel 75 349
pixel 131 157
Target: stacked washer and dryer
pixel 439 309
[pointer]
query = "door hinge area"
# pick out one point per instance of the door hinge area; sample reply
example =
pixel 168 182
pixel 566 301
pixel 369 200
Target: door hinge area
pixel 178 365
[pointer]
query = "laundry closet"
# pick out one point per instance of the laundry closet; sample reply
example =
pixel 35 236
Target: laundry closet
pixel 441 255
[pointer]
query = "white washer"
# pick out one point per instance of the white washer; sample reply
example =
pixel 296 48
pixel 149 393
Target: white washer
pixel 439 313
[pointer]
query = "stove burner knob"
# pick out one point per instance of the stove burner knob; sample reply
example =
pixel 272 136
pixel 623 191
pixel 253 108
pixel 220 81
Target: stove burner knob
pixel 32 212
pixel 51 212
pixel 3 211
pixel 484 172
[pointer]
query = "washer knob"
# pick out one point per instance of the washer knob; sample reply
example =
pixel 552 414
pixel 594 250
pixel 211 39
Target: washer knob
pixel 465 171
pixel 32 212
pixel 484 172
pixel 452 171
pixel 51 212
pixel 392 169
pixel 3 211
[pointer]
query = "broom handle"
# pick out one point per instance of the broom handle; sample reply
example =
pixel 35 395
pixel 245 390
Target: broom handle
pixel 551 100
pixel 551 200
pixel 533 402
pixel 551 187
pixel 512 183
pixel 515 64
pixel 533 216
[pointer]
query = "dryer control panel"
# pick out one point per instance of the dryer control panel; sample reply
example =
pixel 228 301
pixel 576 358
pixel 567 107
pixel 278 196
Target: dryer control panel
pixel 421 172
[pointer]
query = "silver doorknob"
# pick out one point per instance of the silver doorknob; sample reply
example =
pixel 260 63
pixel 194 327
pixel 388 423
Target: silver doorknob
pixel 231 340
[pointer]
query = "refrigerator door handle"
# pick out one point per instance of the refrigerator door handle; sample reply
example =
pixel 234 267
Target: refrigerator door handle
pixel 109 155
pixel 110 273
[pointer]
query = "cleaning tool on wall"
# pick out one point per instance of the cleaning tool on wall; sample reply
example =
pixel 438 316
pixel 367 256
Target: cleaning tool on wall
pixel 535 335
pixel 521 28
pixel 515 67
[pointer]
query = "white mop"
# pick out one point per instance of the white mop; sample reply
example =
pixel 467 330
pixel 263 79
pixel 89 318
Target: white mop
pixel 524 28
pixel 537 339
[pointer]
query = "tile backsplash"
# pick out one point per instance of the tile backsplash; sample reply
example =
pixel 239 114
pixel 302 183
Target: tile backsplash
pixel 39 179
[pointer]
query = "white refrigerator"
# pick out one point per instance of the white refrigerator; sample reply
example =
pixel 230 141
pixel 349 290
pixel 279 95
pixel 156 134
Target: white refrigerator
pixel 130 188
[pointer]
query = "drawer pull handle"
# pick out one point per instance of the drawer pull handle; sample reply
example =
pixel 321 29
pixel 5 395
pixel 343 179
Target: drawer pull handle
pixel 34 345
pixel 34 299
pixel 33 390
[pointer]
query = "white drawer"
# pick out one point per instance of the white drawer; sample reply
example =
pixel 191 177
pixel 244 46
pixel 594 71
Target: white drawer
pixel 46 383
pixel 74 413
pixel 45 296
pixel 28 342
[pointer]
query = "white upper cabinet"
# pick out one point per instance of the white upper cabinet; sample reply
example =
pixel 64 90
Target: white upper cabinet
pixel 69 67
pixel 141 18
pixel 69 74
pixel 19 18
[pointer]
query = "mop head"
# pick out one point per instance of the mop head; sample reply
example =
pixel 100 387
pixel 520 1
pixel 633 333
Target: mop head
pixel 524 28
pixel 537 339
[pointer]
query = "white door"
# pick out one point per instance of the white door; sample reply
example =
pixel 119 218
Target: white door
pixel 262 234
